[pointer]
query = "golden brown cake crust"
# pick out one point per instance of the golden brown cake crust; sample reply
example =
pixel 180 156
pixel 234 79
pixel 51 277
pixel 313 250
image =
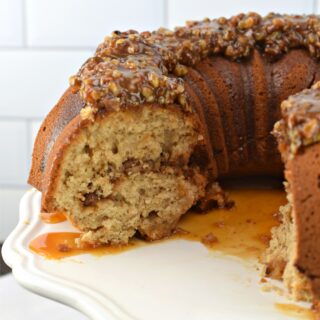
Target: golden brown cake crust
pixel 303 175
pixel 298 134
pixel 65 110
pixel 70 133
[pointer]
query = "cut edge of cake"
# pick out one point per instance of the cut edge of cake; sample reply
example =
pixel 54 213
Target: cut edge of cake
pixel 293 254
pixel 128 172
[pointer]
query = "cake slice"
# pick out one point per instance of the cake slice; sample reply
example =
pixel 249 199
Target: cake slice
pixel 294 251
pixel 130 171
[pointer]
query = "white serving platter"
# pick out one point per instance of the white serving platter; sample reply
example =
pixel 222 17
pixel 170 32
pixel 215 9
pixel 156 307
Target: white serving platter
pixel 174 279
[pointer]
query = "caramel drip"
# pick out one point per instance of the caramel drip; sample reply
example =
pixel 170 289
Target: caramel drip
pixel 135 68
pixel 58 245
pixel 242 231
pixel 53 217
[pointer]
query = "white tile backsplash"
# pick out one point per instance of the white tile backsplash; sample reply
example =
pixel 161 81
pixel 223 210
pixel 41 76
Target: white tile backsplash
pixel 13 146
pixel 35 126
pixel 43 42
pixel 32 127
pixel 84 23
pixel 9 210
pixel 11 23
pixel 35 79
pixel 181 10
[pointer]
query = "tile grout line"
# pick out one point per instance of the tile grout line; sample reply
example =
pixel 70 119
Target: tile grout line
pixel 47 48
pixel 14 186
pixel 20 118
pixel 165 13
pixel 24 24
pixel 29 144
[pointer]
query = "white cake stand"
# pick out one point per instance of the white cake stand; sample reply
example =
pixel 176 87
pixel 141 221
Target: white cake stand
pixel 172 280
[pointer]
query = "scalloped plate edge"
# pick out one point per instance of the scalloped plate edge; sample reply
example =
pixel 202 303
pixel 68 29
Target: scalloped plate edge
pixel 22 263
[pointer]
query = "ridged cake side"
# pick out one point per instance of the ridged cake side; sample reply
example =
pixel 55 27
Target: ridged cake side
pixel 237 103
pixel 240 102
pixel 298 134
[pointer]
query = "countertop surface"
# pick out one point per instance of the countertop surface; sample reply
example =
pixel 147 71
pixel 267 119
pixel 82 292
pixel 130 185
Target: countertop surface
pixel 16 303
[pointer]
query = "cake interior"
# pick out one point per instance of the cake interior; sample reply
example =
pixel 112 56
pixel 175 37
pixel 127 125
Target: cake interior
pixel 131 172
pixel 279 258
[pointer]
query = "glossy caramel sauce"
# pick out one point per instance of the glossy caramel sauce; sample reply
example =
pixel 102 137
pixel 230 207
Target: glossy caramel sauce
pixel 296 311
pixel 53 217
pixel 242 231
pixel 58 245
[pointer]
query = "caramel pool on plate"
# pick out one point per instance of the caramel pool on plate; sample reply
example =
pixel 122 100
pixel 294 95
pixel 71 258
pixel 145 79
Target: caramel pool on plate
pixel 58 245
pixel 53 217
pixel 243 230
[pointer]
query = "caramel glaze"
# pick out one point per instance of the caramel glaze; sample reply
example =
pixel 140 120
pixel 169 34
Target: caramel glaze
pixel 242 231
pixel 300 123
pixel 134 68
pixel 53 217
pixel 58 245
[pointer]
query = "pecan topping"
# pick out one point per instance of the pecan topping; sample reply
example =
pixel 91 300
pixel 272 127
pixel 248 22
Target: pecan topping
pixel 300 124
pixel 130 68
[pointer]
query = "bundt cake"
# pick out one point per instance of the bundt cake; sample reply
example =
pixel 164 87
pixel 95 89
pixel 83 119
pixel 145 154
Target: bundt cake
pixel 154 120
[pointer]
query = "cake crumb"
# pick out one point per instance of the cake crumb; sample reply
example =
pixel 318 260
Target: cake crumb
pixel 63 248
pixel 219 224
pixel 180 231
pixel 272 288
pixel 209 239
pixel 87 113
pixel 265 238
pixel 263 280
